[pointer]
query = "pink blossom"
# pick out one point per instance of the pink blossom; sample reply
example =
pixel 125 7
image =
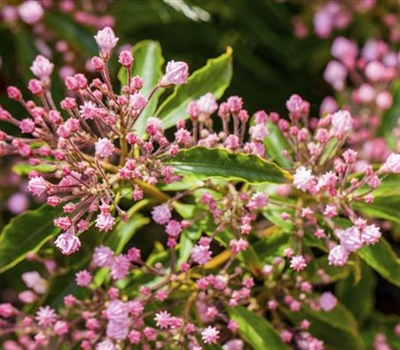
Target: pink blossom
pixel 105 222
pixel 375 71
pixel 258 132
pixel 125 58
pixel 235 104
pixel 120 267
pixel 161 214
pixel 297 107
pixel 342 123
pixel 106 345
pixel 106 40
pixel 61 327
pixel 154 126
pixel 233 344
pixel 46 316
pixel 104 148
pixel 335 74
pixel 303 179
pixel 27 126
pixel 27 297
pixel 6 310
pixel 183 137
pixel 137 101
pixel 173 228
pixel 370 234
pixel 392 164
pixel 37 185
pixel 345 50
pixel 327 301
pixel 238 245
pixel 18 203
pixel 68 243
pixel 350 239
pixel 200 254
pixel 83 278
pixel 14 93
pixel 163 319
pixel 338 256
pixel 176 73
pixel 232 142
pixel 258 200
pixel 328 105
pixel 298 263
pixel 134 337
pixel 210 335
pixel 31 11
pixel 207 104
pixel 103 256
pixel 42 67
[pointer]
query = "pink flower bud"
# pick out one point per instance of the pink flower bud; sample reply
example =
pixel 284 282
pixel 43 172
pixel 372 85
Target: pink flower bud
pixel 125 58
pixel 207 104
pixel 14 93
pixel 6 310
pixel 384 100
pixel 370 234
pixel 335 74
pixel 97 63
pixel 327 301
pixel 392 164
pixel 106 40
pixel 31 11
pixel 35 86
pixel 27 126
pixel 342 123
pixel 104 148
pixel 37 185
pixel 68 243
pixel 297 107
pixel 338 256
pixel 176 73
pixel 42 67
pixel 137 101
pixel 235 104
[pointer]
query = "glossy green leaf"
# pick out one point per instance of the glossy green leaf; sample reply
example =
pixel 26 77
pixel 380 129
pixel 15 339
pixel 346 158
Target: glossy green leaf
pixel 275 143
pixel 256 330
pixel 272 245
pixel 389 120
pixel 25 168
pixel 383 260
pixel 214 77
pixel 217 162
pixel 337 328
pixel 358 297
pixel 385 207
pixel 26 233
pixel 148 65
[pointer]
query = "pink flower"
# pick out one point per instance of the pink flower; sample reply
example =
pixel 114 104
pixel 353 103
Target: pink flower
pixel 342 123
pixel 42 67
pixel 232 142
pixel 350 239
pixel 83 278
pixel 106 345
pixel 173 228
pixel 120 267
pixel 154 126
pixel 106 40
pixel 46 316
pixel 161 214
pixel 327 301
pixel 163 319
pixel 298 263
pixel 31 11
pixel 392 164
pixel 302 179
pixel 297 107
pixel 238 245
pixel 233 344
pixel 335 74
pixel 105 222
pixel 210 335
pixel 137 101
pixel 125 58
pixel 258 132
pixel 338 256
pixel 6 310
pixel 328 105
pixel 103 256
pixel 370 234
pixel 200 254
pixel 375 71
pixel 183 137
pixel 384 100
pixel 118 320
pixel 68 243
pixel 207 104
pixel 235 104
pixel 176 73
pixel 104 148
pixel 37 185
pixel 345 50
pixel 61 327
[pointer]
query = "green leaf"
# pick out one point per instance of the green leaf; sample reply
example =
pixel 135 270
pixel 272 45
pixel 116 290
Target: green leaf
pixel 337 328
pixel 383 260
pixel 275 143
pixel 272 245
pixel 214 77
pixel 358 297
pixel 26 233
pixel 217 162
pixel 148 65
pixel 256 330
pixel 24 168
pixel 389 120
pixel 385 207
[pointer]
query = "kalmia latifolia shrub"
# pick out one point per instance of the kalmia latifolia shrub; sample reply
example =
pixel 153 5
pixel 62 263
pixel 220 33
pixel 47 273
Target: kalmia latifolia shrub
pixel 258 214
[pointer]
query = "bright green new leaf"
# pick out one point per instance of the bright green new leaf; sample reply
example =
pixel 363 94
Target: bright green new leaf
pixel 148 65
pixel 26 233
pixel 25 168
pixel 214 77
pixel 383 260
pixel 275 143
pixel 221 163
pixel 256 330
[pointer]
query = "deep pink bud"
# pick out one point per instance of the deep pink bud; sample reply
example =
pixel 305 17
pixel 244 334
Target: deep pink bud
pixel 176 73
pixel 35 86
pixel 14 93
pixel 42 67
pixel 68 243
pixel 235 104
pixel 125 58
pixel 97 63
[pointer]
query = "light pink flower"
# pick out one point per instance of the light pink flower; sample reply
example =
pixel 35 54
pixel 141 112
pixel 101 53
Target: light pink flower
pixel 327 301
pixel 345 50
pixel 105 222
pixel 163 319
pixel 342 123
pixel 137 101
pixel 371 234
pixel 350 239
pixel 235 103
pixel 106 345
pixel 83 278
pixel 68 243
pixel 125 58
pixel 61 327
pixel 46 316
pixel 106 40
pixel 161 214
pixel 338 256
pixel 200 254
pixel 238 245
pixel 176 73
pixel 207 104
pixel 384 100
pixel 42 67
pixel 258 132
pixel 392 164
pixel 103 256
pixel 104 148
pixel 120 267
pixel 173 228
pixel 335 74
pixel 298 263
pixel 233 344
pixel 31 11
pixel 303 179
pixel 6 310
pixel 297 106
pixel 37 185
pixel 210 335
